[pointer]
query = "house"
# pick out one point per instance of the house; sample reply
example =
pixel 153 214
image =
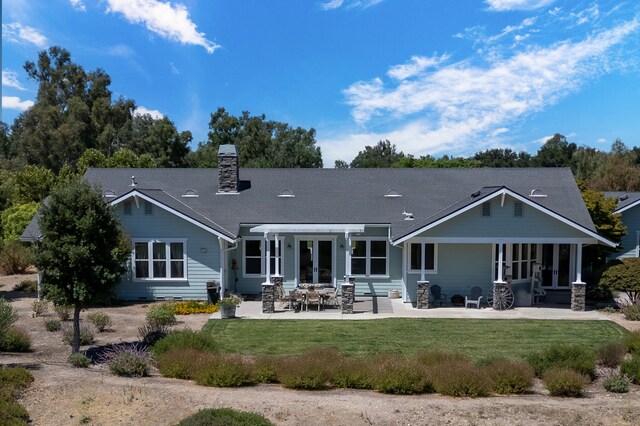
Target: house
pixel 627 207
pixel 387 228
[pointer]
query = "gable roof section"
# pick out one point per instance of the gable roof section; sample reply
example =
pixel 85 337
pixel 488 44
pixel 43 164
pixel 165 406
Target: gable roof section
pixel 626 200
pixel 480 197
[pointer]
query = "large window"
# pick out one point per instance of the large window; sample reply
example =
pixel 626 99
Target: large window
pixel 518 260
pixel 423 257
pixel 253 256
pixel 369 257
pixel 160 259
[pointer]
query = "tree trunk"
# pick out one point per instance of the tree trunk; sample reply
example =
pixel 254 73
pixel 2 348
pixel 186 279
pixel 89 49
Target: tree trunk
pixel 75 346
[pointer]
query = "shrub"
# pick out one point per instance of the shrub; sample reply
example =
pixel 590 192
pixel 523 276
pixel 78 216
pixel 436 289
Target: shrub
pixel 15 340
pixel 181 363
pixel 194 307
pixel 510 377
pixel 28 286
pixel 183 339
pixel 631 369
pixel 265 369
pixel 100 319
pixel 565 382
pixel 632 342
pixel 15 379
pixel 611 354
pixel 353 373
pixel 224 417
pixel 397 375
pixel 79 360
pixel 575 357
pixel 40 307
pixel 8 315
pixel 460 379
pixel 631 312
pixel 161 315
pixel 52 325
pixel 86 334
pixel 15 258
pixel 223 370
pixel 63 312
pixel 309 370
pixel 150 334
pixel 12 382
pixel 128 360
pixel 431 358
pixel 616 384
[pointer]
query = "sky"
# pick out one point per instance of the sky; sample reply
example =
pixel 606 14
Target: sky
pixel 434 77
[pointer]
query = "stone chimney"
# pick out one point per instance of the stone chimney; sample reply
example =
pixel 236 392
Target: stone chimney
pixel 228 169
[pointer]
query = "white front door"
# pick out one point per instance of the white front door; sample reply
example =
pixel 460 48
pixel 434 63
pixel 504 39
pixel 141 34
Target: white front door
pixel 315 261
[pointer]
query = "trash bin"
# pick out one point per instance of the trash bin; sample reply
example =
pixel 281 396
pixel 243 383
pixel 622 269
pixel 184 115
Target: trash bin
pixel 213 291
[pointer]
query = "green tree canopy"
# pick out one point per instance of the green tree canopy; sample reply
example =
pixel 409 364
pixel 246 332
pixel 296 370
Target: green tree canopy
pixel 556 152
pixel 260 143
pixel 83 250
pixel 15 219
pixel 32 184
pixel 383 154
pixel 624 277
pixel 429 162
pixel 159 139
pixel 499 157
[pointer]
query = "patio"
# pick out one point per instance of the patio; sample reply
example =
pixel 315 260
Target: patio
pixel 367 307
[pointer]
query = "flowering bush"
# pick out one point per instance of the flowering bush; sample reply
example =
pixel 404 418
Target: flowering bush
pixel 128 360
pixel 193 307
pixel 230 300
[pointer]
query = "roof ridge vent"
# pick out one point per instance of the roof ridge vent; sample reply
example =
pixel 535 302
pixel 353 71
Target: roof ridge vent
pixel 286 193
pixel 392 193
pixel 537 193
pixel 190 193
pixel 623 198
pixel 475 194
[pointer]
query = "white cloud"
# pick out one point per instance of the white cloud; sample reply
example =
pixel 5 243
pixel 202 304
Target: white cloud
pixel 17 33
pixel 10 79
pixel 601 140
pixel 120 50
pixel 78 5
pixel 14 102
pixel 154 113
pixel 587 15
pixel 349 4
pixel 169 21
pixel 504 5
pixel 416 65
pixel 450 107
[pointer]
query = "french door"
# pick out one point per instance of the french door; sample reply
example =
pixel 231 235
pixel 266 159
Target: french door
pixel 556 265
pixel 315 261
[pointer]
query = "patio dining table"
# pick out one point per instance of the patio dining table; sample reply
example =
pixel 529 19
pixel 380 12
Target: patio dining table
pixel 324 292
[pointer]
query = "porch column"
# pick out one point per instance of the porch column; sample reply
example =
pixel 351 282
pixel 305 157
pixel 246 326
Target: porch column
pixel 499 286
pixel 277 256
pixel 500 262
pixel 267 265
pixel 347 254
pixel 578 288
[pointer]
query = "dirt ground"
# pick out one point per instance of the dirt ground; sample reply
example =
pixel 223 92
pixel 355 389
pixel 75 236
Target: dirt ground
pixel 62 395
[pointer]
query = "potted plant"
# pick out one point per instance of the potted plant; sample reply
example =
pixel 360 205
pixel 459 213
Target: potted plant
pixel 228 305
pixel 393 294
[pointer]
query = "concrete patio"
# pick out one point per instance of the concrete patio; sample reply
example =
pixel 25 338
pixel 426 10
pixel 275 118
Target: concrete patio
pixel 382 307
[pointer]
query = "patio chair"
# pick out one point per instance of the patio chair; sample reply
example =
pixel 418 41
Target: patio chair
pixel 312 297
pixel 332 298
pixel 294 297
pixel 280 294
pixel 474 299
pixel 437 296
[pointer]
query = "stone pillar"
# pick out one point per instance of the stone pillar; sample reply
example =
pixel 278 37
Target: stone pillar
pixel 578 296
pixel 348 295
pixel 499 288
pixel 422 301
pixel 228 173
pixel 268 298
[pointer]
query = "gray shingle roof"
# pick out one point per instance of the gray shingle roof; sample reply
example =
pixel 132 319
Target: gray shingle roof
pixel 342 196
pixel 624 198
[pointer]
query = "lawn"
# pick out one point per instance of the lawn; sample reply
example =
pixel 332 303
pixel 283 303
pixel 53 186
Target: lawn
pixel 477 338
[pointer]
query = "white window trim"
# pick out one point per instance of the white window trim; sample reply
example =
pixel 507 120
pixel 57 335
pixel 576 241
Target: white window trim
pixel 508 261
pixel 368 257
pixel 435 258
pixel 167 241
pixel 263 267
pixel 637 243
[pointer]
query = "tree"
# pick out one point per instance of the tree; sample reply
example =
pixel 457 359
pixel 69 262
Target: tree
pixel 260 143
pixel 556 152
pixel 618 171
pixel 383 154
pixel 624 277
pixel 160 139
pixel 15 219
pixel 83 250
pixel 429 162
pixel 340 164
pixel 499 157
pixel 32 184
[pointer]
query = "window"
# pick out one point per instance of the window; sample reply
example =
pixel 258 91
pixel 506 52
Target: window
pixel 369 257
pixel 148 208
pixel 486 209
pixel 253 262
pixel 517 209
pixel 423 257
pixel 518 260
pixel 158 259
pixel 127 207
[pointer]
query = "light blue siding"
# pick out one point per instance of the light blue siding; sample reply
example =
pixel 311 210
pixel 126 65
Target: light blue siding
pixel 631 219
pixel 203 254
pixel 502 223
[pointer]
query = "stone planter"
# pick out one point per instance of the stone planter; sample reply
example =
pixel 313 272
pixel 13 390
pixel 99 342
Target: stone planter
pixel 227 311
pixel 393 294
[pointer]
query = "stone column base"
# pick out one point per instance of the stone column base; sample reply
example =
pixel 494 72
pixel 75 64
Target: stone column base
pixel 348 295
pixel 578 296
pixel 424 293
pixel 268 298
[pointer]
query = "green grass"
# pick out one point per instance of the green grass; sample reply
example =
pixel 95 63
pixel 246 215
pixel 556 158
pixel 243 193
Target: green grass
pixel 476 338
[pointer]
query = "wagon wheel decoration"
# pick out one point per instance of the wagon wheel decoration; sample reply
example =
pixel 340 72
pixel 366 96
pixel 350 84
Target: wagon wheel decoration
pixel 502 298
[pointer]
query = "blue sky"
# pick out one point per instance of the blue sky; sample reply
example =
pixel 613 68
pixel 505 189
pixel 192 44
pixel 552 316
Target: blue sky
pixel 432 76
